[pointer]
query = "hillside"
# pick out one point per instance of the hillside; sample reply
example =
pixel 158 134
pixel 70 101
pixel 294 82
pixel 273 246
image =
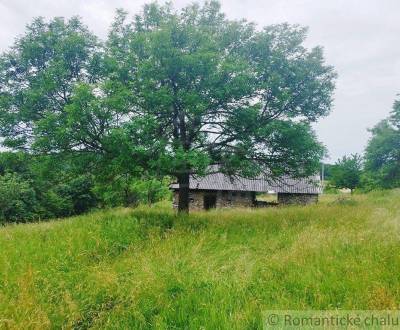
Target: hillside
pixel 145 268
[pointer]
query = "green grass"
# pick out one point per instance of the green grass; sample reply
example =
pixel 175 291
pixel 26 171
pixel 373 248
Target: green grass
pixel 146 268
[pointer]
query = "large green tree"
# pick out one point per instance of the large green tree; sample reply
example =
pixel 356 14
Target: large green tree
pixel 382 155
pixel 171 92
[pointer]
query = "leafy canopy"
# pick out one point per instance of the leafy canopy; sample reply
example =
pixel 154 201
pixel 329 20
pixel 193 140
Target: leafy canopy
pixel 209 90
pixel 346 173
pixel 37 80
pixel 169 92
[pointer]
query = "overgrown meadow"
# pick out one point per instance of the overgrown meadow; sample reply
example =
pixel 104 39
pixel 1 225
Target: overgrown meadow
pixel 147 268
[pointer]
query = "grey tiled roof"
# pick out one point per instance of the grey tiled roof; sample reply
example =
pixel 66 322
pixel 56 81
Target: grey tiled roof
pixel 220 181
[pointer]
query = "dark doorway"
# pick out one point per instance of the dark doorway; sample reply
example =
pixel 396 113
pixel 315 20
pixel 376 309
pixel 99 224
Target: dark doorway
pixel 210 201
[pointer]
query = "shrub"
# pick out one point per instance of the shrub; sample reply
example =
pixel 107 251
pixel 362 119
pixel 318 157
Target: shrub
pixel 17 199
pixel 53 204
pixel 150 191
pixel 128 191
pixel 79 191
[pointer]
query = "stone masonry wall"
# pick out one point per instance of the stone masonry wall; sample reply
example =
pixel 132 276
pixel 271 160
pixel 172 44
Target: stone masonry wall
pixel 302 199
pixel 225 199
pixel 196 200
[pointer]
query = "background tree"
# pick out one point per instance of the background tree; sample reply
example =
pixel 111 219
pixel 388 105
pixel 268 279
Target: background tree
pixel 172 92
pixel 17 199
pixel 346 173
pixel 382 155
pixel 37 78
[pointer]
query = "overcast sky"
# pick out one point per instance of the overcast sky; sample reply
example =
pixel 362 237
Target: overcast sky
pixel 360 38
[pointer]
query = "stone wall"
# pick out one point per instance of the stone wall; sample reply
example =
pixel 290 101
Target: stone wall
pixel 196 199
pixel 224 199
pixel 301 199
pixel 227 199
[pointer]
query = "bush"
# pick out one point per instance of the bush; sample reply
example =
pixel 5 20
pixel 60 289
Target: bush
pixel 79 192
pixel 17 199
pixel 67 198
pixel 116 191
pixel 150 191
pixel 53 204
pixel 128 191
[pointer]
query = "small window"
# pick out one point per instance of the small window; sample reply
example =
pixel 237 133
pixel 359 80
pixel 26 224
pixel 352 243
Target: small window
pixel 243 194
pixel 234 194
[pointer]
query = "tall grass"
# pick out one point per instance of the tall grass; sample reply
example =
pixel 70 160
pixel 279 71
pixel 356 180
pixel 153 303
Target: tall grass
pixel 146 268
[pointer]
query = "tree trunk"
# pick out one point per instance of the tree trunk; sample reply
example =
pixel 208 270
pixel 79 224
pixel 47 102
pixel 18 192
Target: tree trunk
pixel 183 204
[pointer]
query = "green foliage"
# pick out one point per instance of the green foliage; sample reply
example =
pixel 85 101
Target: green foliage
pixel 79 191
pixel 169 93
pixel 130 191
pixel 146 268
pixel 55 204
pixel 17 162
pixel 346 173
pixel 37 78
pixel 195 75
pixel 151 191
pixel 59 187
pixel 17 199
pixel 329 189
pixel 382 155
pixel 63 185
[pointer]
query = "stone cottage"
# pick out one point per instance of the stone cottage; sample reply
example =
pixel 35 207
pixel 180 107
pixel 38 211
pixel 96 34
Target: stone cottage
pixel 218 190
